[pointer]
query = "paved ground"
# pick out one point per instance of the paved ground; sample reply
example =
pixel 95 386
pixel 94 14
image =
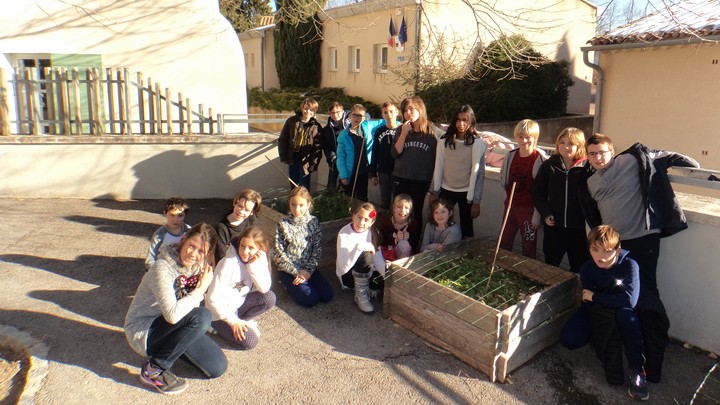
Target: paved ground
pixel 69 268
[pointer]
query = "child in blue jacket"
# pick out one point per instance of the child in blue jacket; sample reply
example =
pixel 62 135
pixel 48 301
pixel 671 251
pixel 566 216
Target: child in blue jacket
pixel 354 153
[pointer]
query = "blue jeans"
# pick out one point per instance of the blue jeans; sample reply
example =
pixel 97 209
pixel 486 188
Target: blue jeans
pixel 167 342
pixel 296 173
pixel 308 294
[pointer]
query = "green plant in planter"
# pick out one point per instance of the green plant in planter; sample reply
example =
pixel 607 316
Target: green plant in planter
pixel 469 276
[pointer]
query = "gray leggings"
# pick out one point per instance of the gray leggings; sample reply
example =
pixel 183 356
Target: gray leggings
pixel 256 303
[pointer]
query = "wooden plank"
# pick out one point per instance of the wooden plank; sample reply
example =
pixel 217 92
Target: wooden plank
pixel 4 107
pixel 76 98
pixel 158 110
pixel 127 116
pixel 538 307
pixel 111 99
pixel 97 105
pixel 471 311
pixel 91 92
pixel 534 341
pixel 189 130
pixel 141 102
pixel 50 100
pixel 168 107
pixel 181 115
pixel 33 100
pixel 64 101
pixel 122 113
pixel 445 331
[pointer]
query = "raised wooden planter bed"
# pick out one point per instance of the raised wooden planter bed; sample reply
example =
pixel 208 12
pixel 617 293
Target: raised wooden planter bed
pixel 490 340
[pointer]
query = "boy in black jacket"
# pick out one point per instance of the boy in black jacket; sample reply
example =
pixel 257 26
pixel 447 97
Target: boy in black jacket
pixel 611 288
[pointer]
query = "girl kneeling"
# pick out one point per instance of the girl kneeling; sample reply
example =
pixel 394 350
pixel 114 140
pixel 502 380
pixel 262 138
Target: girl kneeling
pixel 240 291
pixel 359 263
pixel 165 320
pixel 297 252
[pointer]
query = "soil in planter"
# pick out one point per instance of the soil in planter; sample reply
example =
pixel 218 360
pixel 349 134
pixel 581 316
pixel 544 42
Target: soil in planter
pixel 329 205
pixel 469 276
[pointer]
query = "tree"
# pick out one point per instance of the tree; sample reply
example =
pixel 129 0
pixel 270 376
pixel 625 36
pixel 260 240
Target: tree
pixel 298 36
pixel 245 14
pixel 538 87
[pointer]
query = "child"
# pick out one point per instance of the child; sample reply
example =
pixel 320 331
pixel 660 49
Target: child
pixel 440 230
pixel 297 252
pixel 240 290
pixel 175 210
pixel 459 174
pixel 299 143
pixel 382 160
pixel 354 153
pixel 399 232
pixel 555 195
pixel 358 259
pixel 165 320
pixel 246 205
pixel 520 168
pixel 414 153
pixel 611 288
pixel 338 120
pixel 632 192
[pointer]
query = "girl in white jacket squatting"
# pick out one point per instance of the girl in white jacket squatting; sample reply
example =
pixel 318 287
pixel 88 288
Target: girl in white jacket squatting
pixel 240 290
pixel 358 258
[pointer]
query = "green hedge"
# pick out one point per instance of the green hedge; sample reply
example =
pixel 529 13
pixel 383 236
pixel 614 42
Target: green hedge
pixel 289 99
pixel 541 91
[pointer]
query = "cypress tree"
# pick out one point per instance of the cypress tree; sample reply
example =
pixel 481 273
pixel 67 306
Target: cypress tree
pixel 297 37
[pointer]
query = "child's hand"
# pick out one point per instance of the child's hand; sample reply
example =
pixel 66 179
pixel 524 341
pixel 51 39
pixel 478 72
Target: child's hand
pixel 431 198
pixel 256 256
pixel 550 220
pixel 239 328
pixel 374 181
pixel 587 295
pixel 439 247
pixel 406 128
pixel 206 276
pixel 344 182
pixel 302 277
pixel 474 211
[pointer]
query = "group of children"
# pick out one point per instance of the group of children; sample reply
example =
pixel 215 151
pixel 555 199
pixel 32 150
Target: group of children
pixel 628 201
pixel 580 183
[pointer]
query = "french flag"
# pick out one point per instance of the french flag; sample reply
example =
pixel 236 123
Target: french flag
pixel 391 36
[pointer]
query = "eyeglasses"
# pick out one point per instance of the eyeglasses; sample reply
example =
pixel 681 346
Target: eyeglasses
pixel 356 115
pixel 599 153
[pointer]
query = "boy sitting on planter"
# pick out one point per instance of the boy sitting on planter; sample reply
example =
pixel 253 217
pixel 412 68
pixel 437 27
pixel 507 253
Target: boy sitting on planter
pixel 611 287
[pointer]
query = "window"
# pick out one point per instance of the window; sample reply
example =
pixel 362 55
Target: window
pixel 332 57
pixel 380 56
pixel 354 62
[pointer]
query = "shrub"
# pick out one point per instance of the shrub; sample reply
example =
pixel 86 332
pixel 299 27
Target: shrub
pixel 289 99
pixel 529 86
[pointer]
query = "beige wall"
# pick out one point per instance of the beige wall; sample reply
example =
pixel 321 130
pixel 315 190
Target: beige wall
pixel 664 97
pixel 188 46
pixel 258 59
pixel 558 32
pixel 155 167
